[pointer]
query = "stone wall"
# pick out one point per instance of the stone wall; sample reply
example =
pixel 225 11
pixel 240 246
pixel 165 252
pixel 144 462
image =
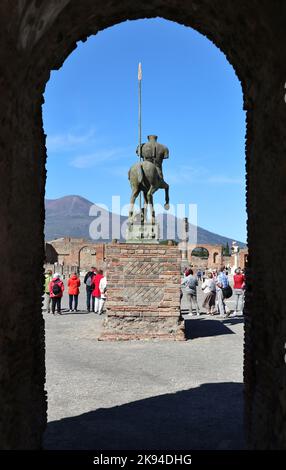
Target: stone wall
pixel 35 38
pixel 214 261
pixel 143 292
pixel 78 252
pixel 243 258
pixel 51 255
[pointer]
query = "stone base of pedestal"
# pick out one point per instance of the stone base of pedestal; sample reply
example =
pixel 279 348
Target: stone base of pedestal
pixel 145 233
pixel 143 293
pixel 134 328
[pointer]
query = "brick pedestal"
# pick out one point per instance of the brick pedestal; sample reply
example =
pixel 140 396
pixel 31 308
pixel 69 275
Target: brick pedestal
pixel 143 292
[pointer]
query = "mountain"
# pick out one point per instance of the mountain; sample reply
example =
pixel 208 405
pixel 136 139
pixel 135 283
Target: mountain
pixel 69 216
pixel 68 206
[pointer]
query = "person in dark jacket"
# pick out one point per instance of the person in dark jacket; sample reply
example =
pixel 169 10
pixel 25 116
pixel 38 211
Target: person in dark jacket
pixel 88 280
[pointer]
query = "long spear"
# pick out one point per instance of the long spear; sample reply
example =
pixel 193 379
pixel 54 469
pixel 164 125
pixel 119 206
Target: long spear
pixel 140 122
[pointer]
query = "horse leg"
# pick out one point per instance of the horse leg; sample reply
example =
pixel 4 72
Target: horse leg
pixel 152 212
pixel 135 192
pixel 145 206
pixel 150 203
pixel 166 205
pixel 165 186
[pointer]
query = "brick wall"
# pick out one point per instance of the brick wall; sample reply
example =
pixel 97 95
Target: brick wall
pixel 74 252
pixel 143 292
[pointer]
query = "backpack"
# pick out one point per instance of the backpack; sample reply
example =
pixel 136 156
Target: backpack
pixel 56 288
pixel 227 292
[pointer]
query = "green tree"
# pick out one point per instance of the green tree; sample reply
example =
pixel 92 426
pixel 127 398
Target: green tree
pixel 226 250
pixel 200 252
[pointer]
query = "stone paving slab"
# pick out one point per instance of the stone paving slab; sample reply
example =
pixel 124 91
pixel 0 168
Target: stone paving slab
pixel 144 394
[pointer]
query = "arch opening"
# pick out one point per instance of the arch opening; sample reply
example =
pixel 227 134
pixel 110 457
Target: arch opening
pixel 202 253
pixel 45 36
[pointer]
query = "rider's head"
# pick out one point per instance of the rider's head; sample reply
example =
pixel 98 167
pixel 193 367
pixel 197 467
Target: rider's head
pixel 152 137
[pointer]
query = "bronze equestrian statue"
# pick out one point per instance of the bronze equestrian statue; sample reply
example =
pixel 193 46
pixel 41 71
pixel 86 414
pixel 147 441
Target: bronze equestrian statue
pixel 147 176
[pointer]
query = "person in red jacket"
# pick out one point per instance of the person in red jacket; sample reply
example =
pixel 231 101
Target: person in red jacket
pixel 56 292
pixel 73 285
pixel 96 294
pixel 238 289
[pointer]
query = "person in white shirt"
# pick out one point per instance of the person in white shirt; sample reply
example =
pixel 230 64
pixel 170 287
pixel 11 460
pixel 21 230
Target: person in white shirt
pixel 102 288
pixel 209 288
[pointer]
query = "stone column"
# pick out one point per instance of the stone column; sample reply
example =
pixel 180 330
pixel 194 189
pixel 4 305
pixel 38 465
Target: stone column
pixel 22 253
pixel 235 254
pixel 184 244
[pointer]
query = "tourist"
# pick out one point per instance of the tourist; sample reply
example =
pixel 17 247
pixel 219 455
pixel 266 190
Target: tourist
pixel 73 285
pixel 220 304
pixel 102 289
pixel 190 283
pixel 56 292
pixel 215 274
pixel 89 286
pixel 222 278
pixel 209 289
pixel 186 269
pixel 96 294
pixel 199 275
pixel 48 279
pixel 181 291
pixel 238 290
pixel 221 284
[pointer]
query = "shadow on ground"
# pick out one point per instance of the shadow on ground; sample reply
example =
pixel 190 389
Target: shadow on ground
pixel 206 417
pixel 201 328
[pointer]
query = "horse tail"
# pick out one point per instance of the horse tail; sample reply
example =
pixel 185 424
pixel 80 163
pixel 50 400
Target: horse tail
pixel 140 174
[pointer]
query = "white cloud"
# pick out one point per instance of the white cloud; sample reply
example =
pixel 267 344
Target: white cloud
pixel 98 157
pixel 69 141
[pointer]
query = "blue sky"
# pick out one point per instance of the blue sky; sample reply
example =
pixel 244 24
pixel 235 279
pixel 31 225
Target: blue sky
pixel 191 99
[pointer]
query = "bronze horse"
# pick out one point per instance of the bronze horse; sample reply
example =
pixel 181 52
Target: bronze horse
pixel 143 176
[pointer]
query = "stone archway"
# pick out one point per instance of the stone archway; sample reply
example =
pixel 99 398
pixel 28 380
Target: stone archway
pixel 199 257
pixel 214 259
pixel 86 257
pixel 36 36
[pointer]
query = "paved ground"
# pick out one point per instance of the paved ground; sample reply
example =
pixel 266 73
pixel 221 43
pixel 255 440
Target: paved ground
pixel 144 395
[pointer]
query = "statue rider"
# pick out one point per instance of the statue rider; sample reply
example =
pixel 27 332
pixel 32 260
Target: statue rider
pixel 154 152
